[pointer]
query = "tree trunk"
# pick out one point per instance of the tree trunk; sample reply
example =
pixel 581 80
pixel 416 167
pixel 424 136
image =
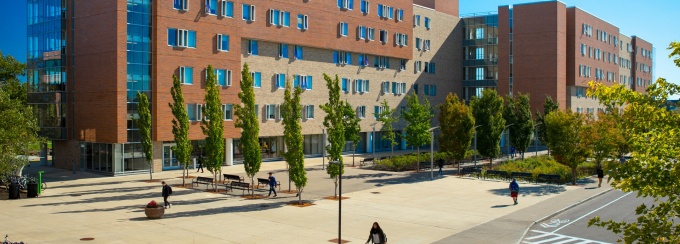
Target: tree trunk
pixel 418 160
pixel 183 177
pixel 454 161
pixel 573 176
pixel 491 162
pixel 336 187
pixel 299 193
pixel 354 152
pixel 288 168
pixel 252 186
pixel 215 177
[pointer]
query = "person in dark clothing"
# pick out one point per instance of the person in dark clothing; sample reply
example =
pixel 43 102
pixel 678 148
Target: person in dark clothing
pixel 600 175
pixel 440 163
pixel 514 190
pixel 200 165
pixel 376 235
pixel 167 191
pixel 272 184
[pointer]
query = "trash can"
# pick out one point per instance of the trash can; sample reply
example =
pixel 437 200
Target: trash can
pixel 31 189
pixel 14 191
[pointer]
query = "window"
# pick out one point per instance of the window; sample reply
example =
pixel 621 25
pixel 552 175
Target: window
pixel 363 59
pixel 345 85
pixel 302 22
pixel 199 112
pixel 398 88
pixel 222 43
pixel 430 90
pixel 346 4
pixel 430 67
pixel 343 28
pixel 402 64
pixel 186 75
pixel 584 49
pixel 181 38
pixel 416 20
pixel 227 8
pixel 248 12
pixel 419 43
pixel 280 81
pixel 227 111
pixel 211 7
pixel 383 36
pixel 479 33
pixel 252 47
pixel 400 15
pixel 298 52
pixel 377 110
pixel 371 34
pixel 181 5
pixel 257 79
pixel 385 87
pixel 415 90
pixel 361 112
pixel 365 6
pixel 309 111
pixel 270 111
pixel 417 66
pixel 401 39
pixel 426 45
pixel 223 77
pixel 381 62
pixel 191 111
pixel 257 110
pixel 361 32
pixel 302 81
pixel 342 57
pixel 279 18
pixel 479 74
pixel 479 53
pixel 361 86
pixel 283 50
pixel 427 23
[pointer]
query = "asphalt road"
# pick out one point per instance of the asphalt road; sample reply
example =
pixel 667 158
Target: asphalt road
pixel 571 226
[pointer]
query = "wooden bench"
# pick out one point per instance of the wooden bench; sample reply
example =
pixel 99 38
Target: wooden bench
pixel 228 177
pixel 243 186
pixel 549 178
pixel 366 160
pixel 265 182
pixel 471 170
pixel 522 175
pixel 203 180
pixel 497 173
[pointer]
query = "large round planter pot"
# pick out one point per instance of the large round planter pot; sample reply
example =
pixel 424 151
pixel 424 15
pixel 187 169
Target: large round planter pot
pixel 154 213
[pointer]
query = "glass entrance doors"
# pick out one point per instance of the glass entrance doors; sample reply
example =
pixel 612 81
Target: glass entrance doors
pixel 169 159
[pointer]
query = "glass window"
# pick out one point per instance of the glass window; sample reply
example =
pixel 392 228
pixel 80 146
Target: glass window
pixel 228 111
pixel 257 79
pixel 361 112
pixel 252 47
pixel 427 23
pixel 280 81
pixel 302 22
pixel 479 74
pixel 248 12
pixel 479 33
pixel 222 42
pixel 309 111
pixel 181 4
pixel 191 111
pixel 345 85
pixel 270 111
pixel 365 6
pixel 221 76
pixel 228 9
pixel 186 75
pixel 343 29
pixel 211 7
pixel 283 50
pixel 298 52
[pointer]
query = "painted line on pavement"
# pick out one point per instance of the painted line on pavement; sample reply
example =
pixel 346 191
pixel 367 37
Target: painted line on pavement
pixel 595 210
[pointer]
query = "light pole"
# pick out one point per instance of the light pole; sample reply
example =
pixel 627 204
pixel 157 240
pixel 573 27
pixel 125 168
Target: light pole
pixel 373 139
pixel 475 155
pixel 507 139
pixel 323 147
pixel 339 200
pixel 431 130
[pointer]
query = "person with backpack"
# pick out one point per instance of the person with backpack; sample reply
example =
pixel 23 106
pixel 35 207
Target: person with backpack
pixel 167 191
pixel 200 164
pixel 377 235
pixel 514 190
pixel 272 185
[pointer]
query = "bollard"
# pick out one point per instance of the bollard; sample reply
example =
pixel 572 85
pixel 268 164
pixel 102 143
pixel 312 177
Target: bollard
pixel 74 167
pixel 40 173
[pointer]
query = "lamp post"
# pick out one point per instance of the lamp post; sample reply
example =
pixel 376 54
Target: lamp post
pixel 431 130
pixel 323 147
pixel 373 139
pixel 475 155
pixel 339 200
pixel 507 139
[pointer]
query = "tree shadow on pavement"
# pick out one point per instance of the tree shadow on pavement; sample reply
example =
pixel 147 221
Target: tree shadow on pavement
pixel 140 207
pixel 127 196
pixel 213 211
pixel 538 190
pixel 365 176
pixel 413 177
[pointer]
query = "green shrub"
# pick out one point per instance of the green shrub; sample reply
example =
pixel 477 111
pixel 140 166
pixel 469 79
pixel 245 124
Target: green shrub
pixel 547 165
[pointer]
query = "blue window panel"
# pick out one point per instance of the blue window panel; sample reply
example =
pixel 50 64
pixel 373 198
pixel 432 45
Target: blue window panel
pixel 221 77
pixel 229 9
pixel 394 88
pixel 246 11
pixel 360 85
pixel 296 81
pixel 211 6
pixel 339 3
pixel 283 51
pixel 376 62
pixel 361 59
pixel 253 47
pixel 191 111
pixel 298 52
pixel 225 43
pixel 364 6
pixel 362 32
pixel 188 75
pixel 275 17
pixel 172 37
pixel 280 80
pixel 380 7
pixel 348 57
pixel 177 4
pixel 335 57
pixel 309 82
pixel 257 79
pixel 344 84
pixel 192 39
pixel 391 12
pixel 299 21
pixel 351 4
pixel 376 111
pixel 286 19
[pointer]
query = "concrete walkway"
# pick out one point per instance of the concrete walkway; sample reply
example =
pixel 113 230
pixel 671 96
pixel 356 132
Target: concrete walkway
pixel 409 206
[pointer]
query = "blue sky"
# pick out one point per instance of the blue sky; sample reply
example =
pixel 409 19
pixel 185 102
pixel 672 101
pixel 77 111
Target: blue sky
pixel 653 21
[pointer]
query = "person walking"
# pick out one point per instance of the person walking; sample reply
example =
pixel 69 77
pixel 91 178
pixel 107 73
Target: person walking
pixel 167 191
pixel 440 163
pixel 514 190
pixel 600 175
pixel 376 235
pixel 272 185
pixel 200 165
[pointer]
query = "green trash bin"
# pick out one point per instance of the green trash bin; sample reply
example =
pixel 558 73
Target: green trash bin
pixel 40 173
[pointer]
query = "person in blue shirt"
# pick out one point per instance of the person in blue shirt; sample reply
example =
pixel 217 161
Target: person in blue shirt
pixel 272 185
pixel 514 190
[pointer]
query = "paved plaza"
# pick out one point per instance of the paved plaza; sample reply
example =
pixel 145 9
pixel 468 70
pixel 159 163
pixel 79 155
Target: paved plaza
pixel 409 206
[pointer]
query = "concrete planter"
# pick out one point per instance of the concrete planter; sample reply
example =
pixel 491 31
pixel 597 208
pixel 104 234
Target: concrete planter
pixel 154 213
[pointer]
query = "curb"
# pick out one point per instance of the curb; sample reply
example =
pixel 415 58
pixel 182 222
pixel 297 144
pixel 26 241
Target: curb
pixel 560 211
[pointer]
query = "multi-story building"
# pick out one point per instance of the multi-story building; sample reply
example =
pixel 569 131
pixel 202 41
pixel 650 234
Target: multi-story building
pixel 89 59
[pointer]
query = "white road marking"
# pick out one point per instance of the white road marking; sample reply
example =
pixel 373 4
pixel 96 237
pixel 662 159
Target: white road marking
pixel 554 238
pixel 589 213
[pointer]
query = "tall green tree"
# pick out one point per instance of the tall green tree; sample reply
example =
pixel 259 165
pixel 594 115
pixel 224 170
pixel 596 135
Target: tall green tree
pixel 653 170
pixel 510 120
pixel 291 112
pixel 566 132
pixel 144 123
pixel 213 125
pixel 604 137
pixel 246 119
pixel 518 113
pixel 352 127
pixel 548 106
pixel 387 118
pixel 487 111
pixel 335 127
pixel 180 127
pixel 457 126
pixel 417 117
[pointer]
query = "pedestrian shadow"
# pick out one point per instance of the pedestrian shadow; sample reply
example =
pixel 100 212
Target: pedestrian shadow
pixel 500 206
pixel 536 190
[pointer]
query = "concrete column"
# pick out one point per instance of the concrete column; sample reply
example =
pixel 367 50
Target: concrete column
pixel 229 151
pixel 43 154
pixel 369 142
